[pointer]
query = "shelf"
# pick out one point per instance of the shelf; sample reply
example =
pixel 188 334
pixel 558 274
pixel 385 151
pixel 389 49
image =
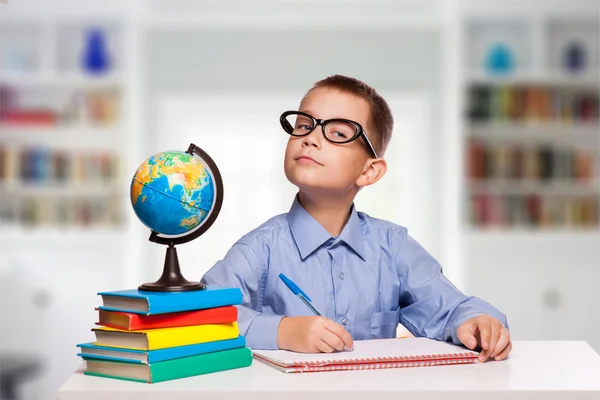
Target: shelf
pixel 56 189
pixel 58 79
pixel 102 238
pixel 52 136
pixel 563 188
pixel 536 132
pixel 589 80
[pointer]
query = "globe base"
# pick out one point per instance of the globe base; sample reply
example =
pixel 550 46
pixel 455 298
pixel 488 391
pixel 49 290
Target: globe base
pixel 171 287
pixel 171 280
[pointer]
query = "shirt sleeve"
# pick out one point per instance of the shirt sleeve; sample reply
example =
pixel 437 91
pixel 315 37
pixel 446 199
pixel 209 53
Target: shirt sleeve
pixel 430 305
pixel 242 268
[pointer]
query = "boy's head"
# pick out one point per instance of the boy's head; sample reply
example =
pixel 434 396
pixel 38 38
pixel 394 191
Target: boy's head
pixel 346 153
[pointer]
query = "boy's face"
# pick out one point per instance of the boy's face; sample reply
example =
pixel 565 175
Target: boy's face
pixel 312 162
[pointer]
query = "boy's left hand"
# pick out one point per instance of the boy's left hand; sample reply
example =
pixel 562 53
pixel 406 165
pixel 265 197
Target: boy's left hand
pixel 489 333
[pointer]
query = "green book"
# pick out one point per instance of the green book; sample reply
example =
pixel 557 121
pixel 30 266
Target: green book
pixel 171 369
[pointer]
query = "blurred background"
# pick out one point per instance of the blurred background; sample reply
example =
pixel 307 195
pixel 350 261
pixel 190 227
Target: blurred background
pixel 493 166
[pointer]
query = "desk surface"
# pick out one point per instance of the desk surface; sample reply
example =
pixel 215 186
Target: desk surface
pixel 534 370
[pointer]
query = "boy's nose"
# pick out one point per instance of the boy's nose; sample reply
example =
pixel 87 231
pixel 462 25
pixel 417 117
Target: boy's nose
pixel 313 138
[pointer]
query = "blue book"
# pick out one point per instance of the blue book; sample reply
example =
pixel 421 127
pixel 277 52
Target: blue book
pixel 150 303
pixel 93 351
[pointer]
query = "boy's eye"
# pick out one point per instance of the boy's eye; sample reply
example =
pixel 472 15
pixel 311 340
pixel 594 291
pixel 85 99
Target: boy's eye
pixel 340 131
pixel 303 124
pixel 304 127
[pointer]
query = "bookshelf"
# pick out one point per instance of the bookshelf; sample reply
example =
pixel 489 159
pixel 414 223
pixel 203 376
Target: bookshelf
pixel 528 182
pixel 62 129
pixel 531 125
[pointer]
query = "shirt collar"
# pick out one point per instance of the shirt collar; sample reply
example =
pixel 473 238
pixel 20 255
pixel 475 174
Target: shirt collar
pixel 352 234
pixel 309 234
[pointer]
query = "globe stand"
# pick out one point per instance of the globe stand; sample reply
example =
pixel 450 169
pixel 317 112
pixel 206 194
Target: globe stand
pixel 171 279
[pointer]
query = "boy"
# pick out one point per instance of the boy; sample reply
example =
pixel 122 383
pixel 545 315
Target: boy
pixel 363 274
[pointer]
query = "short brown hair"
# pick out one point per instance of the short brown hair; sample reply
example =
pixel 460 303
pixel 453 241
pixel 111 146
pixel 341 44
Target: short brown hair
pixel 381 120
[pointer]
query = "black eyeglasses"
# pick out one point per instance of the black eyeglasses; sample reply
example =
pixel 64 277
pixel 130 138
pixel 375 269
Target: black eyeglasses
pixel 335 130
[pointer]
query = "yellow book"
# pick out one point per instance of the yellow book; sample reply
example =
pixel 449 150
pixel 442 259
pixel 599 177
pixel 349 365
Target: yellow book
pixel 162 338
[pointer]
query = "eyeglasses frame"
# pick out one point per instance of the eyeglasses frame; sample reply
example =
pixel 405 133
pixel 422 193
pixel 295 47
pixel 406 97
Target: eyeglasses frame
pixel 360 132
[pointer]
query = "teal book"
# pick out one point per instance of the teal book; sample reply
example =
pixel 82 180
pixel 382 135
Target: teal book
pixel 93 351
pixel 151 303
pixel 172 369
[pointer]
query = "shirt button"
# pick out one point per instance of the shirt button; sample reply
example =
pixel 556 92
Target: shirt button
pixel 345 321
pixel 341 276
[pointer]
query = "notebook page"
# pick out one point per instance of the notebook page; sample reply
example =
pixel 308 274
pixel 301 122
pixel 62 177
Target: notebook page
pixel 374 348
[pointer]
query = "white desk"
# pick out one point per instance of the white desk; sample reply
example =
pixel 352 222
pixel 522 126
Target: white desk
pixel 535 370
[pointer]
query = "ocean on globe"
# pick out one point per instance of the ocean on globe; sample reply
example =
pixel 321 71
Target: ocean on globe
pixel 172 192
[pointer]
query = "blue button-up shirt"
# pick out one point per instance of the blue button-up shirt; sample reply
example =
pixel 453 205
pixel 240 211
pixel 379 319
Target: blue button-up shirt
pixel 368 279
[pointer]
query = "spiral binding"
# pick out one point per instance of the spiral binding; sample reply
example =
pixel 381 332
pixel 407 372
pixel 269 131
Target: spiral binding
pixel 385 362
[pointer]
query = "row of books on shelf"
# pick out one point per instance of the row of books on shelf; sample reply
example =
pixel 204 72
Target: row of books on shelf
pixel 491 210
pixel 55 107
pixel 58 211
pixel 488 160
pixel 532 103
pixel 151 337
pixel 37 164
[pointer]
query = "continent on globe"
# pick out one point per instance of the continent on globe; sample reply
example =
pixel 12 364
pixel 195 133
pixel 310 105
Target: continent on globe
pixel 172 192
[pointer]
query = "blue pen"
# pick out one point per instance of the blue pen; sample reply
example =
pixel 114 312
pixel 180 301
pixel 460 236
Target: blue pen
pixel 298 292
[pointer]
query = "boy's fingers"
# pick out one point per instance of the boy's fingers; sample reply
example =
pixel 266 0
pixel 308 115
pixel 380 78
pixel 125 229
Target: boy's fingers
pixel 332 340
pixel 340 332
pixel 502 342
pixel 466 337
pixel 504 352
pixel 347 338
pixel 323 347
pixel 494 333
pixel 484 332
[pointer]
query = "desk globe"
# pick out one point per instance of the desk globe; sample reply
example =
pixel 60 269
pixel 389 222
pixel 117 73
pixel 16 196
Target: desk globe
pixel 178 195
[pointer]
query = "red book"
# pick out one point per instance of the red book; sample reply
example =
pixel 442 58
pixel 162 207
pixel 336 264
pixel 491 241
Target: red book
pixel 476 159
pixel 32 117
pixel 131 322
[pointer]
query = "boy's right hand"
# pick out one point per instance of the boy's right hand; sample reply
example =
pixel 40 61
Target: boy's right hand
pixel 312 335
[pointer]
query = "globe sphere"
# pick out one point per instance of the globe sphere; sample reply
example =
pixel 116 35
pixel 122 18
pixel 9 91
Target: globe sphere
pixel 172 192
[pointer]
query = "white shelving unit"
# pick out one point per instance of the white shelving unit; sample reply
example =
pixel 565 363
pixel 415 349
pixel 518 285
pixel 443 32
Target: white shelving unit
pixel 539 76
pixel 65 264
pixel 541 275
pixel 53 106
pixel 529 120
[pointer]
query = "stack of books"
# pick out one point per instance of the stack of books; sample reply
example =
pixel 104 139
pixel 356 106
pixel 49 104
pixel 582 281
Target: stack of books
pixel 158 336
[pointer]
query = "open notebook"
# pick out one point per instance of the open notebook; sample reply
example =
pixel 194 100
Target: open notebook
pixel 371 354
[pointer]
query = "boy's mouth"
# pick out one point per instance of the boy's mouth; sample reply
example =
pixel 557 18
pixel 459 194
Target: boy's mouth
pixel 307 160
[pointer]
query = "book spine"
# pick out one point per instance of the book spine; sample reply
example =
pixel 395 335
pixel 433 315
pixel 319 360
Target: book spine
pixel 218 315
pixel 135 322
pixel 384 363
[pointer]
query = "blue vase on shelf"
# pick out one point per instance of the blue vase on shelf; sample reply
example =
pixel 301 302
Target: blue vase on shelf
pixel 96 58
pixel 574 57
pixel 500 60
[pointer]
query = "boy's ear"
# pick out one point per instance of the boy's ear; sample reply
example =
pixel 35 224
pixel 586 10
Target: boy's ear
pixel 373 171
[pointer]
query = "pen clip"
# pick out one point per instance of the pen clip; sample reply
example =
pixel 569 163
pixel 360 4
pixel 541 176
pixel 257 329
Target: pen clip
pixel 295 289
